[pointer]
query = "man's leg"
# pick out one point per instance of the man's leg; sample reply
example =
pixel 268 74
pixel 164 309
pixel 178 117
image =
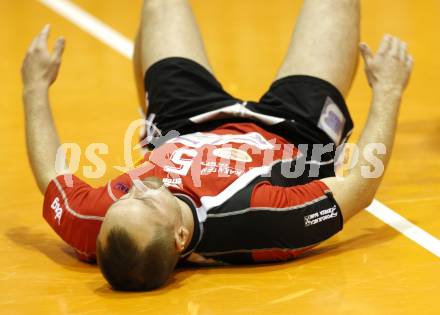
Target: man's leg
pixel 167 29
pixel 325 42
pixel 138 75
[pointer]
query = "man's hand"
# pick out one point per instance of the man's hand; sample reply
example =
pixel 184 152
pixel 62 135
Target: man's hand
pixel 390 68
pixel 388 74
pixel 40 67
pixel 39 71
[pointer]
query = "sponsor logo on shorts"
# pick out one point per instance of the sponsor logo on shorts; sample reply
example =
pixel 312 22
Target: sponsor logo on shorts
pixel 332 121
pixel 320 216
pixel 57 209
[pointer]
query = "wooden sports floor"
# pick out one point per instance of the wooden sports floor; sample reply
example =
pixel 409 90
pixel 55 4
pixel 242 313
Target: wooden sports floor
pixel 369 268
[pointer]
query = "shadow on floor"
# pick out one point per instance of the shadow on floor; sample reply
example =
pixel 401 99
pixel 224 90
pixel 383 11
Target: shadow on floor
pixel 63 255
pixel 27 238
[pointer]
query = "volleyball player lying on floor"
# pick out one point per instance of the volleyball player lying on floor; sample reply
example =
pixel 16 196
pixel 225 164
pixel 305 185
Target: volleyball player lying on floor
pixel 222 191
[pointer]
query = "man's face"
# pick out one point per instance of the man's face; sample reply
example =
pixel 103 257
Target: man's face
pixel 148 204
pixel 154 198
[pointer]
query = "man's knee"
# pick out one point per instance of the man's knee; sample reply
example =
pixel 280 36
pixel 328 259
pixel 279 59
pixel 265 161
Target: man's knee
pixel 160 4
pixel 347 3
pixel 337 4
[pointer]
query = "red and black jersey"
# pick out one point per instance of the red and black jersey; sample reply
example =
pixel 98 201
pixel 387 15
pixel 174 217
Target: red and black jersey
pixel 236 179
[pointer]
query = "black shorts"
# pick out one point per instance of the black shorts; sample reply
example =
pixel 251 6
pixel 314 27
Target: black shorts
pixel 186 97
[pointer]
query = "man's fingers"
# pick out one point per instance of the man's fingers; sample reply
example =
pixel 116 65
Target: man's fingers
pixel 33 44
pixel 366 53
pixel 43 37
pixel 409 61
pixel 395 47
pixel 403 51
pixel 385 44
pixel 59 47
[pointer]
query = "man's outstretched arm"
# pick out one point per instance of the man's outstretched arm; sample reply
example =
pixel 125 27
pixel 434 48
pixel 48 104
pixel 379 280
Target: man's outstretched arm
pixel 388 74
pixel 40 69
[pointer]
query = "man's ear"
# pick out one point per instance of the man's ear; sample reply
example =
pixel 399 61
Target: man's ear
pixel 181 237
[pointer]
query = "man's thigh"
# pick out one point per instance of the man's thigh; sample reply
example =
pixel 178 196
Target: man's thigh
pixel 325 41
pixel 168 29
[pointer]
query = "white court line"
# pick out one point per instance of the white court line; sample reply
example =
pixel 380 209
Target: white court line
pixel 410 230
pixel 91 25
pixel 124 46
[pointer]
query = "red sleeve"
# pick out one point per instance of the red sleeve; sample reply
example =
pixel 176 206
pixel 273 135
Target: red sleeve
pixel 75 211
pixel 266 195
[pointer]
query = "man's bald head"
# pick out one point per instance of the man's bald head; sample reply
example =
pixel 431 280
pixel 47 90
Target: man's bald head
pixel 136 246
pixel 126 266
